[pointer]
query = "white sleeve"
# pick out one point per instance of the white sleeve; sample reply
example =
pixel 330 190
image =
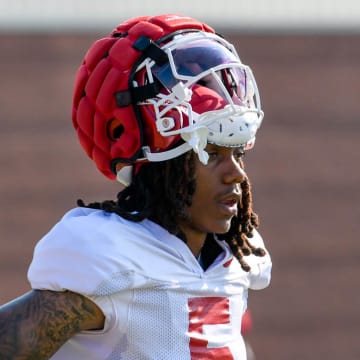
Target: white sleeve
pixel 82 253
pixel 260 273
pixel 76 255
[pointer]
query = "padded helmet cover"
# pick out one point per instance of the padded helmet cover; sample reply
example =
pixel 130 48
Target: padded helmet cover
pixel 105 70
pixel 115 128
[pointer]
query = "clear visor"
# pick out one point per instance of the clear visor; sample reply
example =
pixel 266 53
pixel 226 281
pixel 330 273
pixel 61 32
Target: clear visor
pixel 208 63
pixel 213 94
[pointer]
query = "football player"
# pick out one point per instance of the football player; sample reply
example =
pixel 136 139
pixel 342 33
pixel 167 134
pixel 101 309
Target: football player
pixel 165 106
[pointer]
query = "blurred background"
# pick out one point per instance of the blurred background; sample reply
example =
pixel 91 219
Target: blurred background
pixel 304 167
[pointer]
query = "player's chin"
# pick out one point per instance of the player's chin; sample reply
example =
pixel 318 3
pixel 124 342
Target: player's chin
pixel 222 227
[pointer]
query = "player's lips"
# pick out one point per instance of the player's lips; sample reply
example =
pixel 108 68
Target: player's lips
pixel 229 203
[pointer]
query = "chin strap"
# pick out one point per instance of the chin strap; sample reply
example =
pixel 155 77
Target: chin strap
pixel 197 140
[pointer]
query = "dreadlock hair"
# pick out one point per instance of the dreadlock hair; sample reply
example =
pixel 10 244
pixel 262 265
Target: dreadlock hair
pixel 162 192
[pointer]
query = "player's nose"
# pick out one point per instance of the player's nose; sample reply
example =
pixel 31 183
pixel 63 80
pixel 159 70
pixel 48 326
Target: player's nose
pixel 234 173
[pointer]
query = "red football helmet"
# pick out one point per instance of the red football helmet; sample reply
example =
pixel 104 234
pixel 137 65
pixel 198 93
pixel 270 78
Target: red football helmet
pixel 157 87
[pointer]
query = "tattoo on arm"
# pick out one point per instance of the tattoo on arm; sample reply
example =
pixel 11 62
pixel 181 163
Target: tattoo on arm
pixel 37 324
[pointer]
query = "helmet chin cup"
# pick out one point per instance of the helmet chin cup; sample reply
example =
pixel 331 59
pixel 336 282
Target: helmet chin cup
pixel 232 127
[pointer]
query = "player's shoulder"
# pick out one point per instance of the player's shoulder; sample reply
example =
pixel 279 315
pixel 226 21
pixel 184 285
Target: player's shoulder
pixel 89 218
pixel 257 239
pixel 84 243
pixel 91 234
pixel 260 274
pixel 86 225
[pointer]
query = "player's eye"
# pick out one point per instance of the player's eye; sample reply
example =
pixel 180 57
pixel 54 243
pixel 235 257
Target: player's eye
pixel 212 154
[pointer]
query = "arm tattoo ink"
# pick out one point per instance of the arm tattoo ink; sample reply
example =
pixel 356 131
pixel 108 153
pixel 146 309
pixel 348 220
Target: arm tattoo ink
pixel 37 324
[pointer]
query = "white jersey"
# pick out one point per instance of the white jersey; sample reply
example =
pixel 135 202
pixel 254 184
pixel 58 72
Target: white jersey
pixel 158 302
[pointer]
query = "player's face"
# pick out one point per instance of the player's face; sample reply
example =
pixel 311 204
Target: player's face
pixel 217 193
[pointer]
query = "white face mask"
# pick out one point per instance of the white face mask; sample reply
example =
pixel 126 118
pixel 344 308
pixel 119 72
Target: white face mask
pixel 214 96
pixel 206 66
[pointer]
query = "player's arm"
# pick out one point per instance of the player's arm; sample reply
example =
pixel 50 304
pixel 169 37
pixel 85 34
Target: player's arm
pixel 35 325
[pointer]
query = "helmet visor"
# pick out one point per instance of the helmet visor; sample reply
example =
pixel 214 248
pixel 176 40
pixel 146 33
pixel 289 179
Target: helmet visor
pixel 208 63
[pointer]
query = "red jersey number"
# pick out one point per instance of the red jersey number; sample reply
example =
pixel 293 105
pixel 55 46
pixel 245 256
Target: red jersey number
pixel 207 311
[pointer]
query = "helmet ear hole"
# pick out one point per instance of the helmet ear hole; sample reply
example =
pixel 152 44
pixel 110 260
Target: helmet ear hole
pixel 115 129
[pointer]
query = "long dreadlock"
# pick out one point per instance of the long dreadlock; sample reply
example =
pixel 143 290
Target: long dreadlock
pixel 162 191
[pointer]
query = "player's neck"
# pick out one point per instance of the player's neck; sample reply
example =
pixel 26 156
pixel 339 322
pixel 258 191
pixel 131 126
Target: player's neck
pixel 194 239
